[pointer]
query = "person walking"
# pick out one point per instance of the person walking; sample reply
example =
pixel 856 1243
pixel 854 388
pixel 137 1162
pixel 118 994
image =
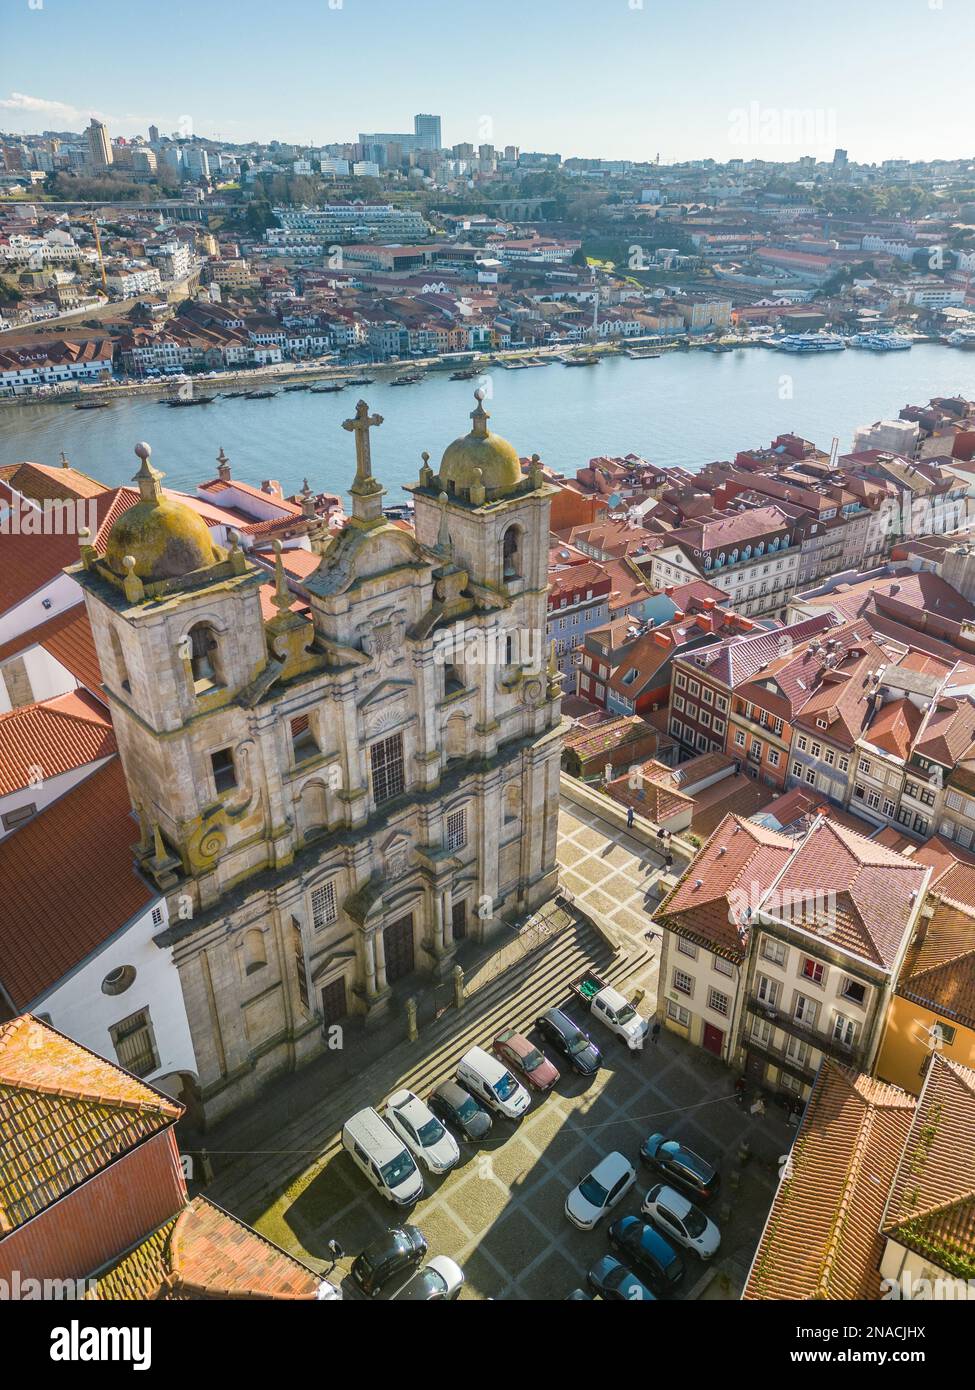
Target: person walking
pixel 655 1032
pixel 629 817
pixel 740 1090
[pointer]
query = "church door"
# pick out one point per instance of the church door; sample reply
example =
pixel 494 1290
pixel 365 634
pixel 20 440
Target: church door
pixel 398 940
pixel 333 1002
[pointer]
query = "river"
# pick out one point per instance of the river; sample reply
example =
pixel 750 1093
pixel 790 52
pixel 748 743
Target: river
pixel 685 408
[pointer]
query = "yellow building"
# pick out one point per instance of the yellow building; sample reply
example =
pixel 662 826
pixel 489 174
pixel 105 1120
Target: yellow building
pixel 933 1006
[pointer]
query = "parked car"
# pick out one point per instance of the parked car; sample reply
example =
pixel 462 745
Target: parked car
pixel 440 1279
pixel 382 1157
pixel 599 1191
pixel 682 1167
pixel 458 1109
pixel 681 1220
pixel 644 1248
pixel 394 1253
pixel 422 1133
pixel 515 1050
pixel 485 1077
pixel 617 1284
pixel 581 1053
pixel 612 1008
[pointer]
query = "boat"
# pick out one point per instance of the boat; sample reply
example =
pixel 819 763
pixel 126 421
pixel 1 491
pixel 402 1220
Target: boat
pixel 259 395
pixel 299 386
pixel 581 361
pixel 328 390
pixel 877 341
pixel 409 380
pixel 233 395
pixel 809 343
pixel 90 405
pixel 191 400
pixel 963 338
pixel 467 374
pixel 360 381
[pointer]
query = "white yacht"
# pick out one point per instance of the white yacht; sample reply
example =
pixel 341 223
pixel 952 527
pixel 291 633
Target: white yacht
pixel 810 342
pixel 877 341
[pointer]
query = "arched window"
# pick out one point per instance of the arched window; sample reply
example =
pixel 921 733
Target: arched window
pixel 707 562
pixel 733 558
pixel 511 557
pixel 203 656
pixel 760 548
pixel 255 951
pixel 774 544
pixel 121 669
pixel 721 559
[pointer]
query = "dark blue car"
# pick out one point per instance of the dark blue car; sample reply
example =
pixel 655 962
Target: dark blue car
pixel 567 1038
pixel 683 1168
pixel 646 1251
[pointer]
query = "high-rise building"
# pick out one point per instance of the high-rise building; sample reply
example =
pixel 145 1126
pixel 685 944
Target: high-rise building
pixel 427 131
pixel 99 145
pixel 840 159
pixel 153 134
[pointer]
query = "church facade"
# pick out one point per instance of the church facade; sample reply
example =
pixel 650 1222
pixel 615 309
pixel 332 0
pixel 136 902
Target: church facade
pixel 333 798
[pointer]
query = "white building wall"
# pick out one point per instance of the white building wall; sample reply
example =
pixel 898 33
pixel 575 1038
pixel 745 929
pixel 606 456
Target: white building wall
pixel 78 1006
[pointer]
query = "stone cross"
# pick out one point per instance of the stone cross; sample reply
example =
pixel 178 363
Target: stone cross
pixel 361 424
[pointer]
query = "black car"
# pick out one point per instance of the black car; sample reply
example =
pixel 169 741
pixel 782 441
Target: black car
pixel 616 1284
pixel 458 1109
pixel 646 1251
pixel 396 1252
pixel 683 1168
pixel 569 1039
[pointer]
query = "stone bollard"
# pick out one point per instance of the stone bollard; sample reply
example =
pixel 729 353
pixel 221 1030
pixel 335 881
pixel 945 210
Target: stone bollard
pixel 412 1031
pixel 458 987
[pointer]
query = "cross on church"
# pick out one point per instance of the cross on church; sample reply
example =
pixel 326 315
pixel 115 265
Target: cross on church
pixel 361 423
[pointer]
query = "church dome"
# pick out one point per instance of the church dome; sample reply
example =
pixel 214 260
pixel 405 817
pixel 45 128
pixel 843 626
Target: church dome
pixel 166 538
pixel 480 458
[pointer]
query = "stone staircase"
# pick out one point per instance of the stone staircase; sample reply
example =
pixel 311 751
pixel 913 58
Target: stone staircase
pixel 262 1156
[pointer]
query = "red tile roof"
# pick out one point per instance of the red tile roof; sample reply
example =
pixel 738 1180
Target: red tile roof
pixel 932 1203
pixel 46 739
pixel 67 1114
pixel 822 1237
pixel 89 825
pixel 68 638
pixel 205 1253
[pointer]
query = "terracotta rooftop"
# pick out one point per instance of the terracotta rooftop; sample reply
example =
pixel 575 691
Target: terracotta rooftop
pixel 66 1115
pixel 710 901
pixel 822 1237
pixel 90 825
pixel 44 740
pixel 204 1252
pixel 932 1203
pixel 68 638
pixel 737 659
pixel 42 482
pixel 939 967
pixel 652 792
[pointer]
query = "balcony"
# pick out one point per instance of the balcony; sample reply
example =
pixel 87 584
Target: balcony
pixel 850 1053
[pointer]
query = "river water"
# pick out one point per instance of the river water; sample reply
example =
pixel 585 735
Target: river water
pixel 685 408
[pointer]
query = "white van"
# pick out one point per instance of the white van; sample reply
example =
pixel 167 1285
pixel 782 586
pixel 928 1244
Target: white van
pixel 384 1158
pixel 488 1080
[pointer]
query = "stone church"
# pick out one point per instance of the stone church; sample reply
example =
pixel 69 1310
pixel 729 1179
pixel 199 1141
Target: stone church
pixel 333 798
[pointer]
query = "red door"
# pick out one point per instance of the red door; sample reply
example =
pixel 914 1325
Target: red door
pixel 713 1039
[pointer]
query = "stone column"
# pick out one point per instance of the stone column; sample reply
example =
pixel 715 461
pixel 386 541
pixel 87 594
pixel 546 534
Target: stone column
pixel 369 964
pixel 379 943
pixel 446 911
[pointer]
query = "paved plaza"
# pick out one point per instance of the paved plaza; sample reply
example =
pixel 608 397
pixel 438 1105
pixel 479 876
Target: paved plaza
pixel 500 1212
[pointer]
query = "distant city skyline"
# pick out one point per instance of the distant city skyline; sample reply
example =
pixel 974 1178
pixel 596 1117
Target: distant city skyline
pixel 621 80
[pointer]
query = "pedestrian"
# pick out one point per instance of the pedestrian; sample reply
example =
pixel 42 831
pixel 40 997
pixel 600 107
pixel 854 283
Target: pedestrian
pixel 740 1090
pixel 758 1107
pixel 668 860
pixel 629 817
pixel 655 1032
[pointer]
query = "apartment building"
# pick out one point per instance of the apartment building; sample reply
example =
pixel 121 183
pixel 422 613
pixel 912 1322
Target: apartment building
pixel 810 932
pixel 753 555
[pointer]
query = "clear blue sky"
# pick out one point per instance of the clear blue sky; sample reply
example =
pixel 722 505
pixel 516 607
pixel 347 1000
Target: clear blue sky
pixel 616 78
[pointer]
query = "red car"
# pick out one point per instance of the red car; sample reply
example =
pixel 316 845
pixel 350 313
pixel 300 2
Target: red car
pixel 515 1050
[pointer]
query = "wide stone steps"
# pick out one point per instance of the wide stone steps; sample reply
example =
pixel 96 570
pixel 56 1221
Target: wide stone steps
pixel 514 998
